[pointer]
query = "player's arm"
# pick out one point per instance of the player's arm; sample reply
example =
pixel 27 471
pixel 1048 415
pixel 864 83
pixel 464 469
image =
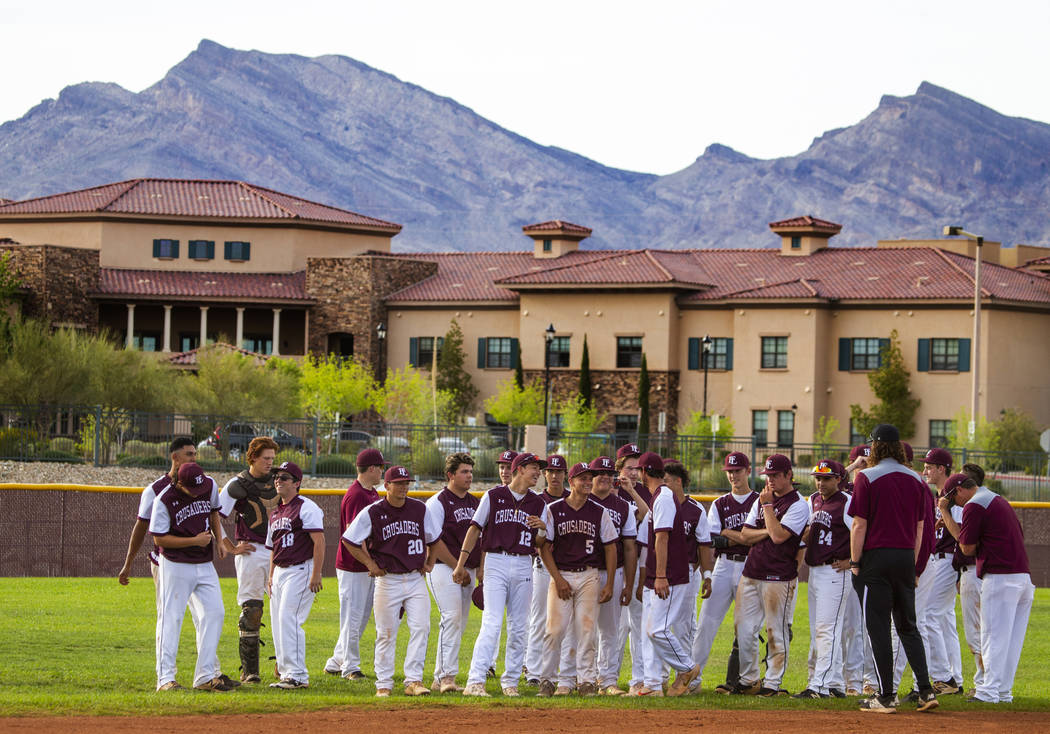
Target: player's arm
pixel 857 534
pixel 221 549
pixel 777 532
pixel 610 573
pixel 945 506
pixel 138 534
pixel 199 540
pixel 317 536
pixel 459 572
pixel 660 543
pixel 361 554
pixel 560 584
pixel 269 576
pixel 751 536
pixel 630 568
pixel 737 537
pixel 641 508
pixel 443 554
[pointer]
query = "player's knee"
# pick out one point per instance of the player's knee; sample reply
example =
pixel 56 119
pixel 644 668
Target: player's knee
pixel 251 617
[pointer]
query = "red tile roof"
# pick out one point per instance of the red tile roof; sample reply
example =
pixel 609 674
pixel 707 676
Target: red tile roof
pixel 807 221
pixel 636 267
pixel 180 284
pixel 191 198
pixel 465 276
pixel 188 359
pixel 558 225
pixel 1038 261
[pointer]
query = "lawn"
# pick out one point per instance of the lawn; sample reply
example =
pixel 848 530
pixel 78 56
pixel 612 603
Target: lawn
pixel 86 646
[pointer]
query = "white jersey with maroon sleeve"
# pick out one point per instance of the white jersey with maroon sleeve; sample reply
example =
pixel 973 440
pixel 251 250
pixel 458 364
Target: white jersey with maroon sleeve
pixel 288 533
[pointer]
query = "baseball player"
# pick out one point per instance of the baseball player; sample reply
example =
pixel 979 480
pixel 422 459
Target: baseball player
pixel 725 520
pixel 991 532
pixel 769 579
pixel 509 516
pixel 356 585
pixel 249 497
pixel 503 466
pixel 622 512
pixel 452 509
pixel 579 538
pixel 184 522
pixel 393 538
pixel 295 537
pixel 829 588
pixel 541 579
pixel 630 489
pixel 701 556
pixel 970 591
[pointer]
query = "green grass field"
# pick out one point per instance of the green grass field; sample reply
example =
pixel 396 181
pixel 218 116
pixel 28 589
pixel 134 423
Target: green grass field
pixel 86 646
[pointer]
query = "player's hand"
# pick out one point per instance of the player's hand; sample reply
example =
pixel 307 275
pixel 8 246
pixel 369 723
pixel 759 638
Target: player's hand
pixel 375 571
pixel 606 594
pixel 944 504
pixel 535 522
pixel 315 584
pixel 202 540
pixel 705 589
pixel 638 592
pixel 842 565
pixel 242 548
pixel 625 596
pixel 428 566
pixel 269 586
pixel 662 588
pixel 855 570
pixel 123 576
pixel 461 577
pixel 766 495
pixel 563 588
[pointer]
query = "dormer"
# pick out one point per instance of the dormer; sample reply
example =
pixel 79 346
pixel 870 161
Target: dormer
pixel 555 238
pixel 804 235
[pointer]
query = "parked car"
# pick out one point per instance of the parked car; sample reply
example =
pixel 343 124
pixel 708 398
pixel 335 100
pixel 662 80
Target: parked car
pixel 451 444
pixel 241 434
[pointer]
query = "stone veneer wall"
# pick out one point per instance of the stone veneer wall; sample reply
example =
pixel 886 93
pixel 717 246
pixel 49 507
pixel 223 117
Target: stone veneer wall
pixel 59 281
pixel 616 392
pixel 350 294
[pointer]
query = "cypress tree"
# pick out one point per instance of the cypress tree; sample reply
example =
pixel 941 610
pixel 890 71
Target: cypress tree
pixel 585 375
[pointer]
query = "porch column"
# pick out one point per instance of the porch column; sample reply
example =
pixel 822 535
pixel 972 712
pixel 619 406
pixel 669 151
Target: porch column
pixel 129 342
pixel 204 326
pixel 240 327
pixel 276 332
pixel 167 329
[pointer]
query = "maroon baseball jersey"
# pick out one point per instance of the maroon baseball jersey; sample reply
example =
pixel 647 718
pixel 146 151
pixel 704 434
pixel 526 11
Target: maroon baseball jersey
pixel 990 523
pixel 146 500
pixel 729 512
pixel 829 524
pixel 176 513
pixel 249 512
pixel 397 537
pixel 643 492
pixel 578 537
pixel 357 498
pixel 668 516
pixel 288 534
pixel 769 561
pixel 622 514
pixel 504 520
pixel 928 538
pixel 890 497
pixel 454 514
pixel 693 516
pixel 944 541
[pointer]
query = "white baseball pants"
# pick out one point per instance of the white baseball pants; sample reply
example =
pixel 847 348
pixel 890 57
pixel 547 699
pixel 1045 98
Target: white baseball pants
pixel 1006 602
pixel 252 571
pixel 768 604
pixel 970 601
pixel 653 670
pixel 537 619
pixel 154 570
pixel 853 638
pixel 696 580
pixel 829 592
pixel 453 603
pixel 196 584
pixel 610 614
pixel 945 655
pixel 574 619
pixel 356 593
pixel 290 603
pixel 391 593
pixel 724 580
pixel 634 631
pixel 664 627
pixel 507 587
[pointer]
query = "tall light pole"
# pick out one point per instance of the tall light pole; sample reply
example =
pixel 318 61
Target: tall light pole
pixel 381 336
pixel 975 362
pixel 548 337
pixel 706 357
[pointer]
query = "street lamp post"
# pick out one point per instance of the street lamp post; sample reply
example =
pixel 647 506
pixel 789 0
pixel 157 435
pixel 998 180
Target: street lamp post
pixel 706 356
pixel 381 336
pixel 975 362
pixel 548 337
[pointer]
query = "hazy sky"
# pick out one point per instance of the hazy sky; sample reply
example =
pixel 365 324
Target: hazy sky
pixel 644 86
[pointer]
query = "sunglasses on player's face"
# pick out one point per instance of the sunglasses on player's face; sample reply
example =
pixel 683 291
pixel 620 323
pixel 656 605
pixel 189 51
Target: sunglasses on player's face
pixel 284 478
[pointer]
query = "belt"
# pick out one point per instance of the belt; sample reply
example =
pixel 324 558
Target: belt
pixel 966 568
pixel 828 563
pixel 734 556
pixel 508 553
pixel 942 556
pixel 290 565
pixel 575 570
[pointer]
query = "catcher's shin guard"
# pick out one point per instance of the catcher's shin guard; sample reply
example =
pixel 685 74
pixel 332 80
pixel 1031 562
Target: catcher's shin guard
pixel 249 624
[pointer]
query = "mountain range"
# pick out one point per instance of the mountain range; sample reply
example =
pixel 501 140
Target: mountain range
pixel 339 132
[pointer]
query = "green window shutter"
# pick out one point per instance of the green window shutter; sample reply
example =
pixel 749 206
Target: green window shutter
pixel 482 346
pixel 513 353
pixel 964 355
pixel 246 250
pixel 884 344
pixel 156 248
pixel 924 355
pixel 694 353
pixel 227 250
pixel 210 250
pixel 729 353
pixel 413 351
pixel 845 345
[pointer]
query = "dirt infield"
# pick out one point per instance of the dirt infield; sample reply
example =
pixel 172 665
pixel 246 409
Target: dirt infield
pixel 551 721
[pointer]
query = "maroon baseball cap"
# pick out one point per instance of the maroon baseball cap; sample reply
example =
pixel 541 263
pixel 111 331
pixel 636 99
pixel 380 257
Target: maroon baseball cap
pixel 507 457
pixel 828 468
pixel 858 451
pixel 397 474
pixel 371 457
pixel 193 479
pixel 777 463
pixel 651 461
pixel 478 597
pixel 939 456
pixel 291 468
pixel 602 465
pixel 580 468
pixel 736 460
pixel 555 461
pixel 909 454
pixel 525 458
pixel 628 450
pixel 953 484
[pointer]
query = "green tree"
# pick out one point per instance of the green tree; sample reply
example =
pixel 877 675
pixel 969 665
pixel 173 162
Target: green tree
pixel 9 283
pixel 643 402
pixel 406 397
pixel 517 406
pixel 985 437
pixel 331 388
pixel 579 423
pixel 1017 431
pixel 519 374
pixel 700 425
pixel 889 383
pixel 230 384
pixel 825 432
pixel 703 449
pixel 585 375
pixel 452 377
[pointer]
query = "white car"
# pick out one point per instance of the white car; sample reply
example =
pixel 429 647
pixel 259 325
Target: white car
pixel 451 445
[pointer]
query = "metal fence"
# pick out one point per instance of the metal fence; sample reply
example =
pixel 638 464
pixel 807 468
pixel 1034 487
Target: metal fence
pixel 94 435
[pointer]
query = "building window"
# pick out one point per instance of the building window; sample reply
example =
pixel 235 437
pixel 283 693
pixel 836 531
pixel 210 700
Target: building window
pixel 864 354
pixel 189 341
pixel 201 249
pixel 856 438
pixel 626 428
pixel 940 434
pixel 497 352
pixel 238 251
pixel 557 424
pixel 785 429
pixel 559 353
pixel 796 242
pixel 760 426
pixel 944 355
pixel 421 351
pixel 628 351
pixel 341 345
pixel 547 245
pixel 774 352
pixel 259 343
pixel 718 357
pixel 146 342
pixel 166 249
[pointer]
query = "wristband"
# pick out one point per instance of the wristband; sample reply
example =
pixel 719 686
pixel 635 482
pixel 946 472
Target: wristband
pixel 464 550
pixel 767 504
pixel 659 577
pixel 854 564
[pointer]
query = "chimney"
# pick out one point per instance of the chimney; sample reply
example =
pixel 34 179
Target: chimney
pixel 555 238
pixel 804 235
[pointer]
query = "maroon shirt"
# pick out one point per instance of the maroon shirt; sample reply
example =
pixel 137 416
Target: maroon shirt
pixel 357 497
pixel 642 491
pixel 693 516
pixel 731 516
pixel 619 510
pixel 990 523
pixel 667 515
pixel 148 497
pixel 890 497
pixel 944 543
pixel 455 514
pixel 397 537
pixel 828 534
pixel 769 561
pixel 176 513
pixel 928 537
pixel 578 537
pixel 288 534
pixel 504 520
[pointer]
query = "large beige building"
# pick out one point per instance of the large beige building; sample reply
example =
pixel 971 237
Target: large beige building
pixel 794 330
